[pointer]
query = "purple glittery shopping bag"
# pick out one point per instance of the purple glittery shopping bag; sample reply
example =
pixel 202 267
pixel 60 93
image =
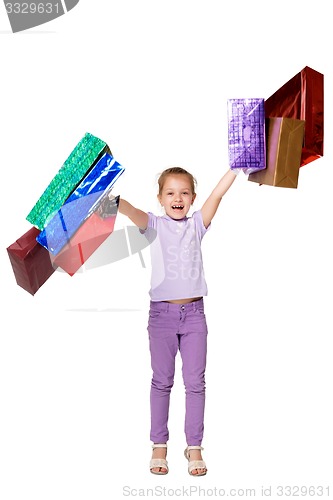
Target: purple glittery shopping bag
pixel 246 134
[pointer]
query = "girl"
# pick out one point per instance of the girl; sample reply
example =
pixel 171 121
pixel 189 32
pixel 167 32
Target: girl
pixel 176 316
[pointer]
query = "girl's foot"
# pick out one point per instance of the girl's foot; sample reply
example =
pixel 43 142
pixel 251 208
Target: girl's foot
pixel 196 465
pixel 158 463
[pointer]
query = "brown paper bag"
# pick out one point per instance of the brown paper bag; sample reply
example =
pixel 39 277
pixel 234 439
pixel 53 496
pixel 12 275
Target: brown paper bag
pixel 283 153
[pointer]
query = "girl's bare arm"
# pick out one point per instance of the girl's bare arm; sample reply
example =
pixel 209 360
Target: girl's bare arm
pixel 137 216
pixel 211 205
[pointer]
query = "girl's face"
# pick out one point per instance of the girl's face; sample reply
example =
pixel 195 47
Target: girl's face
pixel 177 196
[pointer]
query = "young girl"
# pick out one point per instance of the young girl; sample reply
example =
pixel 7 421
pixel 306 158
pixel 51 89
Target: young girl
pixel 176 316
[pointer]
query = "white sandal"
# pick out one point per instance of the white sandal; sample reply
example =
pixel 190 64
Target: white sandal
pixel 195 464
pixel 159 462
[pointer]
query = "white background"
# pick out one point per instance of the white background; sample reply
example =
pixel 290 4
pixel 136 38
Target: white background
pixel 152 78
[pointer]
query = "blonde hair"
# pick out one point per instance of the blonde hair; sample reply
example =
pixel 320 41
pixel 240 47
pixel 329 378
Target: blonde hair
pixel 175 171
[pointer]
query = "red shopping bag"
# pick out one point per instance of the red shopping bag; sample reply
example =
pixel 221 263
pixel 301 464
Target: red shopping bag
pixel 30 261
pixel 88 238
pixel 302 97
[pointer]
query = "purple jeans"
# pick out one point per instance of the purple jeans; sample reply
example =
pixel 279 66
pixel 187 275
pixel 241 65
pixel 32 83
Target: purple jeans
pixel 172 327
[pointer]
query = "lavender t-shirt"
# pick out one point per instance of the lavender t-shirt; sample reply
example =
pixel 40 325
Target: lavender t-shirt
pixel 177 269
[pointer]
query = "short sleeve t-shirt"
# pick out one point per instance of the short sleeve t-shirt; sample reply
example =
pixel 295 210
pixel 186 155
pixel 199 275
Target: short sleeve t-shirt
pixel 176 258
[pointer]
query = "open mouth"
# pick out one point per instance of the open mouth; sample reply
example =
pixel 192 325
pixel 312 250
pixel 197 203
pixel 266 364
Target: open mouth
pixel 177 207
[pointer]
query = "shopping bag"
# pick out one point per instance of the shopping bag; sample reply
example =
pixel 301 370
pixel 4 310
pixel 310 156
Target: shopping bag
pixel 81 204
pixel 284 148
pixel 30 261
pixel 302 97
pixel 81 160
pixel 88 238
pixel 246 134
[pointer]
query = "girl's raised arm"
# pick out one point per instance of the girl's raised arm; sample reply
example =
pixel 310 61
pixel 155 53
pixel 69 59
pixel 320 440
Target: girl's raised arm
pixel 137 216
pixel 211 205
